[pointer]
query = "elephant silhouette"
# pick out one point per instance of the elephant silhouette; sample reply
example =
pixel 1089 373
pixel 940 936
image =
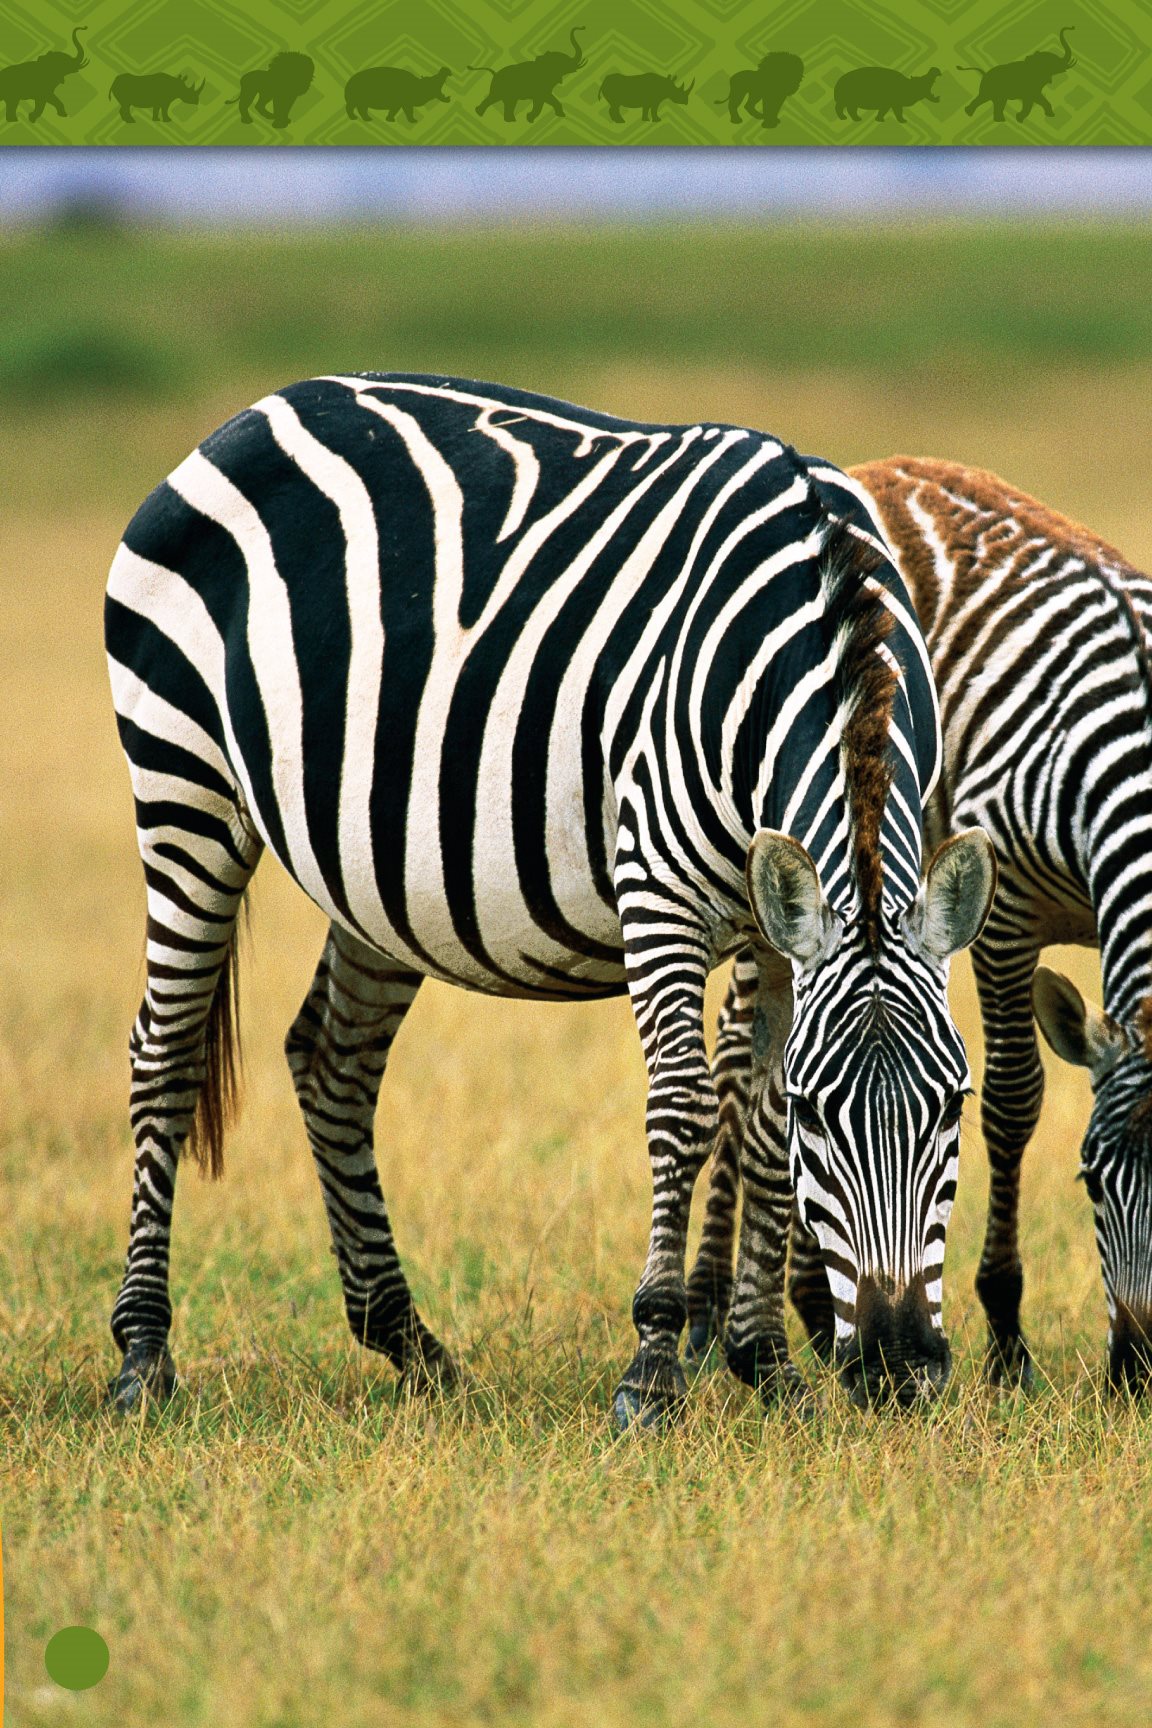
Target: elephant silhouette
pixel 762 90
pixel 274 88
pixel 532 81
pixel 1021 80
pixel 35 81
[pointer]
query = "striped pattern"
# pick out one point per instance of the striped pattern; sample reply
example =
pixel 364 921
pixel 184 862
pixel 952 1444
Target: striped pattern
pixel 508 687
pixel 1038 637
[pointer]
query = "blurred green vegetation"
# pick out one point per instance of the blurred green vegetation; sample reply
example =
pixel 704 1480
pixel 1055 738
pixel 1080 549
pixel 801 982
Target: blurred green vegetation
pixel 160 314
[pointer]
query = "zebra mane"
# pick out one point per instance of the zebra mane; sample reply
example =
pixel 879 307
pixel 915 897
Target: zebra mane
pixel 865 685
pixel 1144 1033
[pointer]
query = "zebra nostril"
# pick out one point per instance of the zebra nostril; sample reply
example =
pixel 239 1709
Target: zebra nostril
pixel 896 1352
pixel 883 1380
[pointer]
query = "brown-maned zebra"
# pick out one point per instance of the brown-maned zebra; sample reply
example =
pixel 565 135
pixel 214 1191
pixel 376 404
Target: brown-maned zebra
pixel 1043 664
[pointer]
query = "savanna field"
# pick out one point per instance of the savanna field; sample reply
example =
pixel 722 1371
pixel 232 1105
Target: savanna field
pixel 293 1543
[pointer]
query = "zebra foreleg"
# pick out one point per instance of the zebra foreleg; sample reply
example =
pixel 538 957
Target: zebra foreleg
pixel 1004 960
pixel 710 1283
pixel 337 1050
pixel 756 1345
pixel 182 1056
pixel 668 1001
pixel 809 1290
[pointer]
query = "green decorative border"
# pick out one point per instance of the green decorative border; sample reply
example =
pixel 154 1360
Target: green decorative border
pixel 702 45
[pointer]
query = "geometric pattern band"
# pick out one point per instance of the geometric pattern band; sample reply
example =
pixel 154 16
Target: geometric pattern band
pixel 537 72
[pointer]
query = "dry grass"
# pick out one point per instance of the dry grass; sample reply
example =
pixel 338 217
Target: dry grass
pixel 291 1544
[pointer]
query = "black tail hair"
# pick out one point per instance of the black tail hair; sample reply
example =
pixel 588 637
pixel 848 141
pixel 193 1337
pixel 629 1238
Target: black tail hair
pixel 219 1098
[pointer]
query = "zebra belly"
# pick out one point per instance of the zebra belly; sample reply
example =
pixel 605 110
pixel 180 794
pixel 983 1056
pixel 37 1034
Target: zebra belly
pixel 440 883
pixel 521 961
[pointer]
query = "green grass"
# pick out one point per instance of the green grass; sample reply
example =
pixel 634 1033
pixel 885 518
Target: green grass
pixel 155 313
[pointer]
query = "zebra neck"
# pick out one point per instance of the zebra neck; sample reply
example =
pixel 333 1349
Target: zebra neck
pixel 1119 876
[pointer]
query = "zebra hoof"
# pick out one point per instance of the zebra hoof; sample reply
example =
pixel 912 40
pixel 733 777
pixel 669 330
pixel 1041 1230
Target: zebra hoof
pixel 702 1353
pixel 786 1393
pixel 632 1410
pixel 652 1394
pixel 145 1374
pixel 1008 1365
pixel 765 1365
pixel 432 1376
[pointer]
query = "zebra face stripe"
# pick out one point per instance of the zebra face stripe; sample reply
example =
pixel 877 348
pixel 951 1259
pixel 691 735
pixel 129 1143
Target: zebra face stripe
pixel 875 1074
pixel 1116 1170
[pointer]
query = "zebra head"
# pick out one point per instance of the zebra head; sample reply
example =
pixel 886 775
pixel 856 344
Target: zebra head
pixel 875 1077
pixel 1115 1159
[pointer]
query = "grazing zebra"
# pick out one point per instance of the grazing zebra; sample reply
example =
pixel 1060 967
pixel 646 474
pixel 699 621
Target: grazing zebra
pixel 534 700
pixel 1038 637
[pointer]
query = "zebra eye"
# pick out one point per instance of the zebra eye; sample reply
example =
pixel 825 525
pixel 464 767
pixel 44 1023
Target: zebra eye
pixel 1093 1186
pixel 806 1115
pixel 953 1110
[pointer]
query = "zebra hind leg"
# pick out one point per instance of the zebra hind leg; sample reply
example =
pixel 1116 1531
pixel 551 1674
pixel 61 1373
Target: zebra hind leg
pixel 197 866
pixel 337 1050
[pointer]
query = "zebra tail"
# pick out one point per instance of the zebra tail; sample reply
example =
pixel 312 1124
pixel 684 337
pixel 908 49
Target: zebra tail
pixel 219 1098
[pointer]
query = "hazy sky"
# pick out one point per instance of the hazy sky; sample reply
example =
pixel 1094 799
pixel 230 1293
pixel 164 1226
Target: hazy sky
pixel 421 183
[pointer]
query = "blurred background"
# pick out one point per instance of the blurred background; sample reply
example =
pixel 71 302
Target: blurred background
pixel 975 303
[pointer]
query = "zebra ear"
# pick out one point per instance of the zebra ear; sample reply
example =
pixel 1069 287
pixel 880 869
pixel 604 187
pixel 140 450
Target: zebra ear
pixel 787 900
pixel 956 896
pixel 1079 1033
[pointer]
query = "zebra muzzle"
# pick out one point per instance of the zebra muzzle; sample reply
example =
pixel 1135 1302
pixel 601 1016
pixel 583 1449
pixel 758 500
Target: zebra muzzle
pixel 1130 1349
pixel 896 1353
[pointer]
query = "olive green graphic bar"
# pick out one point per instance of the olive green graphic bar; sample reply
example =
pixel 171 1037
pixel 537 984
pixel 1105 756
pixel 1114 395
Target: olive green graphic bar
pixel 268 72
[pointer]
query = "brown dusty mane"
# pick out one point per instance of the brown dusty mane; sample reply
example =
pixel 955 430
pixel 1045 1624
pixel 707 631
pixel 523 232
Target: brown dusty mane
pixel 1144 1029
pixel 1140 644
pixel 865 688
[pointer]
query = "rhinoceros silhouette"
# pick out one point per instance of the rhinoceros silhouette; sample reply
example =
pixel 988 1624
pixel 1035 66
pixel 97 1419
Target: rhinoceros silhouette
pixel 35 81
pixel 155 90
pixel 643 90
pixel 1022 81
pixel 532 81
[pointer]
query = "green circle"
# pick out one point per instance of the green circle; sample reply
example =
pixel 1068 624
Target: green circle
pixel 76 1657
